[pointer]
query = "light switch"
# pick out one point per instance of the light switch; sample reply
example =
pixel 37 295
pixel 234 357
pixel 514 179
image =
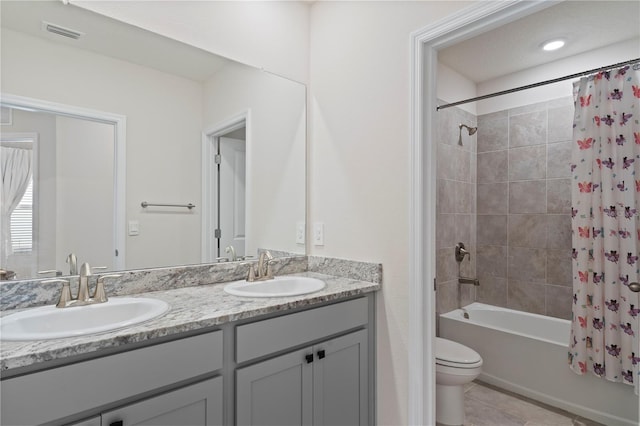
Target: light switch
pixel 318 234
pixel 134 228
pixel 300 233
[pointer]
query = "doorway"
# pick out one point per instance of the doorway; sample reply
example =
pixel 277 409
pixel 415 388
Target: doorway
pixel 469 22
pixel 224 186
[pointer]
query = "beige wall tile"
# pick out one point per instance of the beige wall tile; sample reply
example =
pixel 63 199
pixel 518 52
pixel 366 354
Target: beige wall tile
pixel 528 230
pixel 526 296
pixel 558 231
pixel 492 198
pixel 492 166
pixel 559 160
pixel 559 267
pixel 493 134
pixel 528 129
pixel 528 197
pixel 558 301
pixel 528 163
pixel 492 230
pixel 527 264
pixel 559 196
pixel 492 261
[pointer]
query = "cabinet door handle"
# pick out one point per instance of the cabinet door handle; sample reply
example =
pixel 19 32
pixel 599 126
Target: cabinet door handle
pixel 321 354
pixel 117 423
pixel 309 358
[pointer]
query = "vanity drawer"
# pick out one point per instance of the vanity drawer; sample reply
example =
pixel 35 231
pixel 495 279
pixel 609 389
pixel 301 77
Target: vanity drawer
pixel 53 394
pixel 268 336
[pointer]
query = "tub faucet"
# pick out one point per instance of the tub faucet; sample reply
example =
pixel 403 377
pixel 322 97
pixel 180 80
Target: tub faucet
pixel 465 280
pixel 461 252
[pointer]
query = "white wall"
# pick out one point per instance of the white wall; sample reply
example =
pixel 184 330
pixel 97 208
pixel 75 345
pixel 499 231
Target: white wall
pixel 453 86
pixel 164 124
pixel 272 35
pixel 84 192
pixel 275 149
pixel 596 58
pixel 359 159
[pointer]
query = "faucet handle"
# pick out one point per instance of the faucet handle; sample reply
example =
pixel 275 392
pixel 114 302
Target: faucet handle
pixel 251 275
pixel 65 295
pixel 100 295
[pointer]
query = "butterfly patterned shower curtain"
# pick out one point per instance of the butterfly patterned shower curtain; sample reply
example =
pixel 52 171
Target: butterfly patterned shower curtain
pixel 606 233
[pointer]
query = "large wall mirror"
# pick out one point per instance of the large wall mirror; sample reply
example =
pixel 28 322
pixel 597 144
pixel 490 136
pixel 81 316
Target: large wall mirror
pixel 99 117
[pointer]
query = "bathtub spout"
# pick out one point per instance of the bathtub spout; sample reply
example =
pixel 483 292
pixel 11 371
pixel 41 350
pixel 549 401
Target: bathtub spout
pixel 465 280
pixel 465 314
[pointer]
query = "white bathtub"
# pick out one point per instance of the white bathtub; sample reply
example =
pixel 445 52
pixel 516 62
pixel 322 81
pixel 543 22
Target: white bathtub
pixel 527 354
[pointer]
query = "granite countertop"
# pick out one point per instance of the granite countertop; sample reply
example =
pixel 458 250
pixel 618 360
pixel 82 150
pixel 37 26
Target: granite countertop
pixel 191 309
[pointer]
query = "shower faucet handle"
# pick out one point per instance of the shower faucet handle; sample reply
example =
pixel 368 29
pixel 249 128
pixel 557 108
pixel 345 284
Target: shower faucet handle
pixel 461 252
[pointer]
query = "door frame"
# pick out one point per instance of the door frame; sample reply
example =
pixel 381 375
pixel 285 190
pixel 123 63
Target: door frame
pixel 210 203
pixel 120 157
pixel 479 17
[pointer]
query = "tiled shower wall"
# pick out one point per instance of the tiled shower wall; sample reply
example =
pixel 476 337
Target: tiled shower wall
pixel 519 230
pixel 524 208
pixel 456 207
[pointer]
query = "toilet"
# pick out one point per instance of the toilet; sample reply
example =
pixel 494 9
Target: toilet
pixel 456 365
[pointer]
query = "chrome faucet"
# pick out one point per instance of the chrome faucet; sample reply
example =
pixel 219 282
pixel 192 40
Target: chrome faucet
pixel 232 250
pixel 67 300
pixel 72 260
pixel 263 271
pixel 83 284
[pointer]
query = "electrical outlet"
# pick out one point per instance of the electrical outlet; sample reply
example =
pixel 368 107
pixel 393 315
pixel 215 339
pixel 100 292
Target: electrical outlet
pixel 318 234
pixel 300 233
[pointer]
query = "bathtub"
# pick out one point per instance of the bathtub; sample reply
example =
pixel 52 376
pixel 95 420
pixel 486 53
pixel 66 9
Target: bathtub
pixel 527 354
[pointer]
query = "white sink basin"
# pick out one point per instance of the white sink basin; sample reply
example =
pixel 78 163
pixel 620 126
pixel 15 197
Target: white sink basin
pixel 49 322
pixel 278 287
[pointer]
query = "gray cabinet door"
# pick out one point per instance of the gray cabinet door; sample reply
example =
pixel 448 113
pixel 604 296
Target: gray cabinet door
pixel 198 404
pixel 276 392
pixel 326 384
pixel 340 381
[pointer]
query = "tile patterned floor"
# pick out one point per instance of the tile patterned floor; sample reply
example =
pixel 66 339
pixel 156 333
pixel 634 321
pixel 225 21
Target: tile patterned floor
pixel 486 405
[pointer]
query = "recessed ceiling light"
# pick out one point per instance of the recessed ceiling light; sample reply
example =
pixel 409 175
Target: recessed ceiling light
pixel 553 45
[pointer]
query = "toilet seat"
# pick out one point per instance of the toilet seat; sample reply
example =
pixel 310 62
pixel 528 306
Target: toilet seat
pixel 455 355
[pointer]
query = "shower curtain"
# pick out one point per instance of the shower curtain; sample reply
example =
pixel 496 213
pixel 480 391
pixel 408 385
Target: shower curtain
pixel 605 193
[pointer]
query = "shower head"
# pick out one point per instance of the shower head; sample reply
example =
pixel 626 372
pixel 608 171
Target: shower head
pixel 470 130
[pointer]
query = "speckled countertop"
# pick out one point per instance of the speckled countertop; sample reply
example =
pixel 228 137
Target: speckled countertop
pixel 191 309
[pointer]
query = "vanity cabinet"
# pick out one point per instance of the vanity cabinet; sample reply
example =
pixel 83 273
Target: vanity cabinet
pixel 137 376
pixel 323 383
pixel 310 367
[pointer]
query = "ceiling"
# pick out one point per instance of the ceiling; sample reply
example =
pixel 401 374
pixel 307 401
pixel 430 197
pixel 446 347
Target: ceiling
pixel 110 37
pixel 585 25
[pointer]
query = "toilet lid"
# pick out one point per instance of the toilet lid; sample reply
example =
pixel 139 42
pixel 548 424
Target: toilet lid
pixel 453 353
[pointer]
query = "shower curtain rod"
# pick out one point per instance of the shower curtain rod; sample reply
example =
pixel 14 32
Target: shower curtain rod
pixel 542 83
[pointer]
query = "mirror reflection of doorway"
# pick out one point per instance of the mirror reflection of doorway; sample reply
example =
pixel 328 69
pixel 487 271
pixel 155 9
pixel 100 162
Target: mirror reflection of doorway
pixel 231 199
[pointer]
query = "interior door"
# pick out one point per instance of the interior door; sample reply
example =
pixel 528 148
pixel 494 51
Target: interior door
pixel 231 194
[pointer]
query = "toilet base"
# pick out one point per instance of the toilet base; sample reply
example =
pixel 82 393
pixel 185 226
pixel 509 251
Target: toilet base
pixel 450 405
